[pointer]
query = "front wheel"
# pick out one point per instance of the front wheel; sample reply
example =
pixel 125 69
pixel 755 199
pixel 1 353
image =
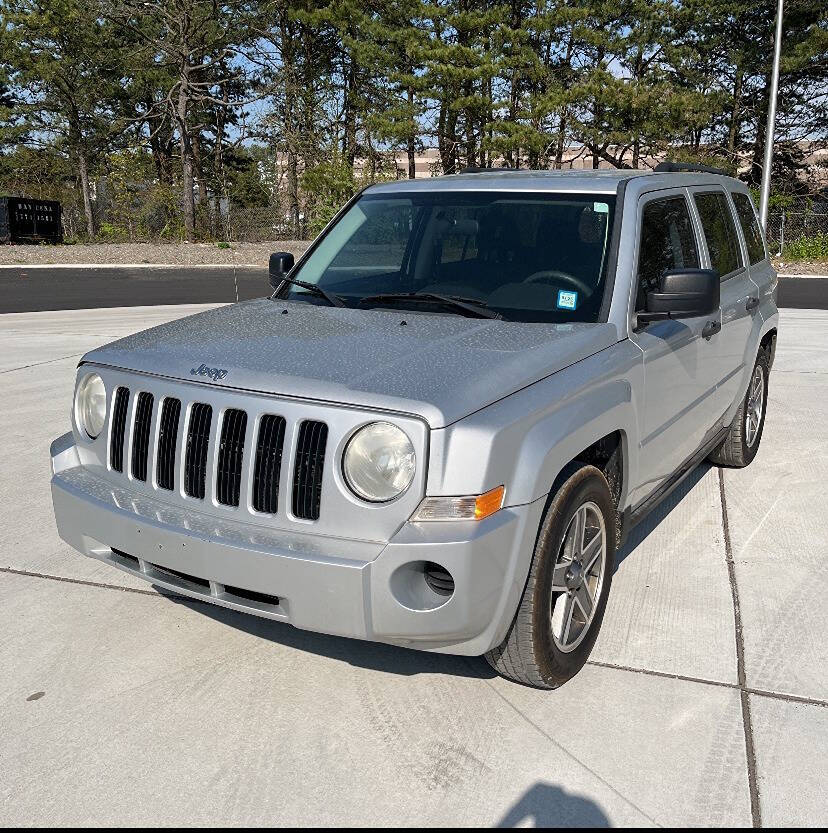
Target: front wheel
pixel 566 593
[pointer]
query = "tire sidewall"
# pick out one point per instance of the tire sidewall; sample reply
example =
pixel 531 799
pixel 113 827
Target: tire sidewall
pixel 750 451
pixel 588 485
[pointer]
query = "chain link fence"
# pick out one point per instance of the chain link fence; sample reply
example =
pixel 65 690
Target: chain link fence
pixel 802 233
pixel 799 231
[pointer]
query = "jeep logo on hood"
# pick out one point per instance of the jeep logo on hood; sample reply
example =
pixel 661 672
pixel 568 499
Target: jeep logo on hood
pixel 215 373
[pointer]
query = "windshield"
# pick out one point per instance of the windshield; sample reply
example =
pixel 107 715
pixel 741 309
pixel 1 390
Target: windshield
pixel 528 257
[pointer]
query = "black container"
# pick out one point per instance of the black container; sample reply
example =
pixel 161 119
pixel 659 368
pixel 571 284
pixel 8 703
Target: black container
pixel 24 220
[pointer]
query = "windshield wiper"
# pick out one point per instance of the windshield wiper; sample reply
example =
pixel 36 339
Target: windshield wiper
pixel 331 297
pixel 468 305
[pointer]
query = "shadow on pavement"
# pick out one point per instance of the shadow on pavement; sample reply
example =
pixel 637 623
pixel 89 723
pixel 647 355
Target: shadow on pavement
pixel 408 661
pixel 374 656
pixel 640 533
pixel 545 805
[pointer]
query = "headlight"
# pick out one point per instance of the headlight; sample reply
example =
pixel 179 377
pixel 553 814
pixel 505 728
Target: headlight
pixel 379 462
pixel 90 404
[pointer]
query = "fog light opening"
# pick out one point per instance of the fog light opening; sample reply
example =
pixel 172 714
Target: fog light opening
pixel 438 578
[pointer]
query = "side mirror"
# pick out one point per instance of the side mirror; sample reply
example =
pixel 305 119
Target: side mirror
pixel 280 264
pixel 683 293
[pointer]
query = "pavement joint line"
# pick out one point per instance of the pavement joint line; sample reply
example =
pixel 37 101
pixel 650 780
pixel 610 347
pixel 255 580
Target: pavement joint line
pixel 569 754
pixel 750 748
pixel 165 593
pixel 38 364
pixel 100 585
pixel 684 678
pixel 663 674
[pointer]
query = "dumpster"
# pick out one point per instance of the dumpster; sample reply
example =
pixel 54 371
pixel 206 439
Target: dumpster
pixel 24 220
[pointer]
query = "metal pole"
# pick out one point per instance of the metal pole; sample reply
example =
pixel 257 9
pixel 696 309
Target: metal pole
pixel 766 166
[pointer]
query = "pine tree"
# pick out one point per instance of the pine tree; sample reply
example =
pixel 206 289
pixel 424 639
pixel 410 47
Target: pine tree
pixel 64 58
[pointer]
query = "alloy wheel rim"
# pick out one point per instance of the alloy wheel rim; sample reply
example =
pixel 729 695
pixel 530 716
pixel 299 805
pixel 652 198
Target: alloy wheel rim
pixel 754 405
pixel 577 577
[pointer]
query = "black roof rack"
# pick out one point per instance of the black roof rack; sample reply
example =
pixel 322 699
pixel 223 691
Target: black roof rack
pixel 486 171
pixel 687 167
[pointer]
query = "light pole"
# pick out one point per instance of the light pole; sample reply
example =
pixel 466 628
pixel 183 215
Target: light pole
pixel 766 165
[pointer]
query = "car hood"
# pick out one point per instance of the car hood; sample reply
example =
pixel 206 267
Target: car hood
pixel 440 367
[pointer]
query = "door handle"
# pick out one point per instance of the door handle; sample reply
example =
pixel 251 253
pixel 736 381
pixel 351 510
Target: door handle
pixel 751 304
pixel 711 328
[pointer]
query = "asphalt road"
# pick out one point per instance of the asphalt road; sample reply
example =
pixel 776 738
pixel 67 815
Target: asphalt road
pixel 24 289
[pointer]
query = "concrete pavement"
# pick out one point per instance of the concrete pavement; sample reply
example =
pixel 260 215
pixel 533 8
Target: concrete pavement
pixel 124 706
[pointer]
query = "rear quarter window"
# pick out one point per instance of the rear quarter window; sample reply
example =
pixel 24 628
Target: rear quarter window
pixel 750 227
pixel 719 232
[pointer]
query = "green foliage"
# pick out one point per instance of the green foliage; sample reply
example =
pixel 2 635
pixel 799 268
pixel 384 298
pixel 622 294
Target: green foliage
pixel 125 109
pixel 808 247
pixel 328 185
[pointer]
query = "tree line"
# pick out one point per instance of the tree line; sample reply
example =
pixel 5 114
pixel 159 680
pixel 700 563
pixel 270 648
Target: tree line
pixel 303 100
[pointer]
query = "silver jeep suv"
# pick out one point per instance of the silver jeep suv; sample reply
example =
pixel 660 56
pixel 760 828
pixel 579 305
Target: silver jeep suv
pixel 441 425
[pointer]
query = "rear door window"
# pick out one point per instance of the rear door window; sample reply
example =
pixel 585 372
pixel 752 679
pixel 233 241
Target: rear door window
pixel 667 242
pixel 750 227
pixel 719 232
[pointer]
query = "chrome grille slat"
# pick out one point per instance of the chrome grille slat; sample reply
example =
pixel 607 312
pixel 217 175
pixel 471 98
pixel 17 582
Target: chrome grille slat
pixel 198 440
pixel 167 440
pixel 266 474
pixel 230 457
pixel 141 434
pixel 309 469
pixel 119 417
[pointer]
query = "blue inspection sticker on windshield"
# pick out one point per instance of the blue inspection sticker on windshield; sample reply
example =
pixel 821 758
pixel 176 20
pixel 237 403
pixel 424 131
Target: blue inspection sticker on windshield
pixel 567 300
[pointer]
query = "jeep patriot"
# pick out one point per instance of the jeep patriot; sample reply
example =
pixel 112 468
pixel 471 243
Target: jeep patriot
pixel 439 428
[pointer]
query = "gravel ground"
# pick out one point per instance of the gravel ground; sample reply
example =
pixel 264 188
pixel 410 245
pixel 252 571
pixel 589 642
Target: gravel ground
pixel 242 254
pixel 801 267
pixel 175 254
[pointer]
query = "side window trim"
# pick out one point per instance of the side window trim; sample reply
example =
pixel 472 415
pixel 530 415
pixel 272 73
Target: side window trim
pixel 740 235
pixel 762 236
pixel 644 199
pixel 695 190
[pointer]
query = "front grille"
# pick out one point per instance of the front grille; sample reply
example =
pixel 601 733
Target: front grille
pixel 180 448
pixel 231 453
pixel 116 440
pixel 141 435
pixel 307 474
pixel 167 440
pixel 198 440
pixel 268 466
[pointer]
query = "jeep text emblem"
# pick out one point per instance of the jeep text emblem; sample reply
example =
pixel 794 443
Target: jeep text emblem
pixel 215 373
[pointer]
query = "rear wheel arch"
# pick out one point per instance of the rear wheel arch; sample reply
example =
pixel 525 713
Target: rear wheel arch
pixel 768 344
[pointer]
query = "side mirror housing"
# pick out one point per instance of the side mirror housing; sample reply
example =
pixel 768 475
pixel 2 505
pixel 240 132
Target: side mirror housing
pixel 683 293
pixel 280 264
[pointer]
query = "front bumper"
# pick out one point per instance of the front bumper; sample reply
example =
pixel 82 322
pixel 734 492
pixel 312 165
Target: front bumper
pixel 362 589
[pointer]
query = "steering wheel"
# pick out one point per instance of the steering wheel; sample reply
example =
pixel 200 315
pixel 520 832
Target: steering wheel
pixel 554 275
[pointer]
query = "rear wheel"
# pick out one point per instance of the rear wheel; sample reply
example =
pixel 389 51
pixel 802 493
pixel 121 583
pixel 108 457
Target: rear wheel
pixel 566 593
pixel 742 441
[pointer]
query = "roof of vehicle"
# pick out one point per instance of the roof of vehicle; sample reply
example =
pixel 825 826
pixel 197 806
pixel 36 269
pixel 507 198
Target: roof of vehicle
pixel 500 179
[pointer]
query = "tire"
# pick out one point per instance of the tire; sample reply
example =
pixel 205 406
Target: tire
pixel 742 441
pixel 534 651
